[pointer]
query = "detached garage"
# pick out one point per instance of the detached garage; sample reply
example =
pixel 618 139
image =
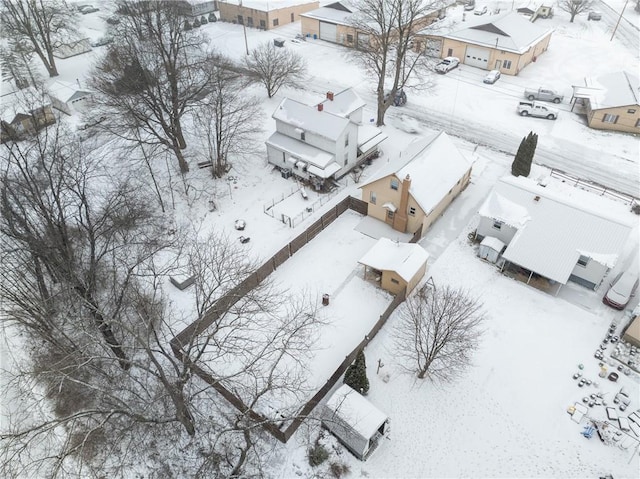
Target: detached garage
pixel 356 422
pixel 506 42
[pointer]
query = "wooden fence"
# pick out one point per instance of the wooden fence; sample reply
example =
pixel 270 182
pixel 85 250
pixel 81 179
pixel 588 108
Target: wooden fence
pixel 184 340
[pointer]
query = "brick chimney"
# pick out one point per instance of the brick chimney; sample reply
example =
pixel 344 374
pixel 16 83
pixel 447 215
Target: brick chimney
pixel 320 106
pixel 330 95
pixel 400 218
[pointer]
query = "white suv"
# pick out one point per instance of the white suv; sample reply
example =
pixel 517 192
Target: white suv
pixel 447 64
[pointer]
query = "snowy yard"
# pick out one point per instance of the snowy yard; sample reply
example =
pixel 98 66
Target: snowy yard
pixel 506 417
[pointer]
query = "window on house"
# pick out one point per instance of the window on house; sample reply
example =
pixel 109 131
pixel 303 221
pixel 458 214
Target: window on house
pixel 346 159
pixel 497 225
pixel 275 22
pixel 506 64
pixel 240 20
pixel 284 157
pixel 263 24
pixel 412 211
pixel 631 110
pixel 346 140
pixel 395 281
pixel 450 52
pixel 390 214
pixel 638 123
pixel 250 21
pixel 372 197
pixel 608 118
pixel 349 38
pixel 394 184
pixel 583 260
pixel 302 137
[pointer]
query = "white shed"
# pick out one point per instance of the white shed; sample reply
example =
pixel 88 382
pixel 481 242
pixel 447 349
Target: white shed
pixel 356 422
pixel 490 249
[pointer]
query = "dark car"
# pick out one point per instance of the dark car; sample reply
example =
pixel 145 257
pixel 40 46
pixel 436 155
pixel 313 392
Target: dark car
pixel 399 100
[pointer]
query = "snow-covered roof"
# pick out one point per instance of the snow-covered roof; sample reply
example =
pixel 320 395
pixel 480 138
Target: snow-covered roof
pixel 343 103
pixel 434 165
pixel 403 258
pixel 556 228
pixel 331 14
pixel 301 150
pixel 66 91
pixel 633 330
pixel 268 6
pixel 493 243
pixel 355 410
pixel 308 118
pixel 369 136
pixel 611 90
pixel 508 31
pixel 21 102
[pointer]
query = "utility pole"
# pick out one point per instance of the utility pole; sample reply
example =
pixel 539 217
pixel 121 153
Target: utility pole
pixel 244 28
pixel 619 18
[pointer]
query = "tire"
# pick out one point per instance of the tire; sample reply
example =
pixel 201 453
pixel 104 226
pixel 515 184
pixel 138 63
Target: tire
pixel 556 100
pixel 524 113
pixel 551 117
pixel 531 97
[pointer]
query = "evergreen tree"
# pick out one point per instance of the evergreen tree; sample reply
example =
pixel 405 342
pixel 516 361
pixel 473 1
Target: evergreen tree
pixel 521 165
pixel 356 374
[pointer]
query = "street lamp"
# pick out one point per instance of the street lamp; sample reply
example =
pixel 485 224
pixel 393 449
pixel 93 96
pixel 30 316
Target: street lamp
pixel 618 22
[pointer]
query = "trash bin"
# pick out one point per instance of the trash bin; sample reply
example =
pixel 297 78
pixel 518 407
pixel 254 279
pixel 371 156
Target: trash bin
pixel 278 42
pixel 325 300
pixel 315 37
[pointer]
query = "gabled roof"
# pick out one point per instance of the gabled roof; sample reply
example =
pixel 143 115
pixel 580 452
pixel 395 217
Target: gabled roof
pixel 612 90
pixel 343 103
pixel 434 165
pixel 557 229
pixel 405 259
pixel 66 91
pixel 508 31
pixel 308 118
pixel 354 409
pixel 339 13
pixel 22 102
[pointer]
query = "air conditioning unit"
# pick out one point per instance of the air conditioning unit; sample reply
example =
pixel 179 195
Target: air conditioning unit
pixel 286 173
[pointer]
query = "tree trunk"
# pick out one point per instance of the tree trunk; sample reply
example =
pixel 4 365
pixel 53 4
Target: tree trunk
pixel 182 162
pixel 182 411
pixel 573 15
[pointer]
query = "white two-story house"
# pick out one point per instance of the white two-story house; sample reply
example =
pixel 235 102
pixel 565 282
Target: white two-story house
pixel 322 142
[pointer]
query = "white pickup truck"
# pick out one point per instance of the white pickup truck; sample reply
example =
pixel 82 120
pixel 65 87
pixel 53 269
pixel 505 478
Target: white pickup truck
pixel 545 94
pixel 531 108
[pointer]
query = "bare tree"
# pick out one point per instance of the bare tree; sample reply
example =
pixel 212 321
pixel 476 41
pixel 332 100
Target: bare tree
pixel 153 75
pixel 437 332
pixel 385 31
pixel 41 25
pixel 276 67
pixel 228 120
pixel 574 7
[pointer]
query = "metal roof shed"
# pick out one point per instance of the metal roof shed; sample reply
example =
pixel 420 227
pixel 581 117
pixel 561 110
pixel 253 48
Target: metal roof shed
pixel 356 422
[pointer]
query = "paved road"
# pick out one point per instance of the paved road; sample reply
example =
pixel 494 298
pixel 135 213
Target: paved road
pixel 628 31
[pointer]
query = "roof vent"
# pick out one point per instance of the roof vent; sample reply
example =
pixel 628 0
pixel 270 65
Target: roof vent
pixel 320 106
pixel 537 198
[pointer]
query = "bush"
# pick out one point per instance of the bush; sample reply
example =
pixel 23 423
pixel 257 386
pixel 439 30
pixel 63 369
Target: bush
pixel 203 20
pixel 187 26
pixel 317 454
pixel 212 17
pixel 196 23
pixel 338 469
pixel 356 374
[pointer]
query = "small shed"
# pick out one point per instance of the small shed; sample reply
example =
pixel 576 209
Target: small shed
pixel 632 333
pixel 490 249
pixel 396 265
pixel 357 423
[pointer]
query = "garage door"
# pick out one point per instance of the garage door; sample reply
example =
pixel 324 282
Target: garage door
pixel 328 32
pixel 477 57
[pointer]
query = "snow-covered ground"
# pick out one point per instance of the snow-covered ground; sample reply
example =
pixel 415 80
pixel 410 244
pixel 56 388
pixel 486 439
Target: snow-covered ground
pixel 506 417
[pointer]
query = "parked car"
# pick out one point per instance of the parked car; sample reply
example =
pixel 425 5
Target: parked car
pixel 470 5
pixel 82 7
pixel 544 94
pixel 595 16
pixel 399 100
pixel 447 64
pixel 85 11
pixel 492 77
pixel 531 108
pixel 480 10
pixel 102 41
pixel 113 20
pixel 621 290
